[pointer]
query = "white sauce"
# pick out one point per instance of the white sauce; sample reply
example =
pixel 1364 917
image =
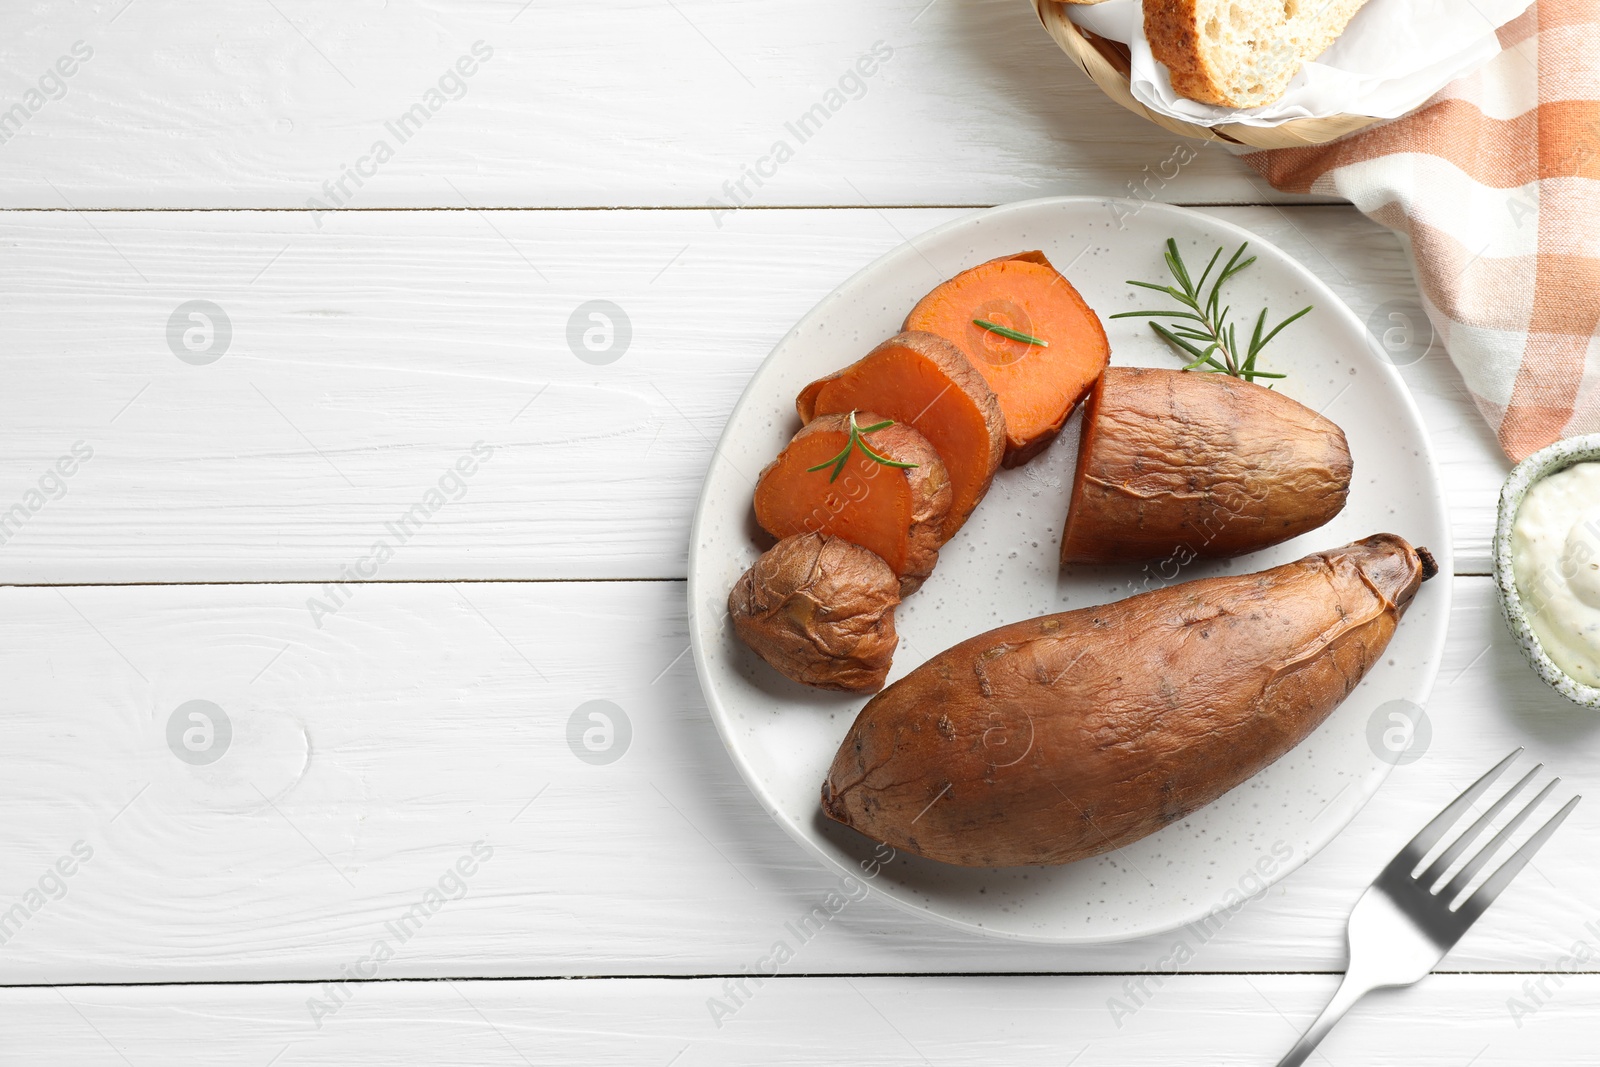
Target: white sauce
pixel 1555 558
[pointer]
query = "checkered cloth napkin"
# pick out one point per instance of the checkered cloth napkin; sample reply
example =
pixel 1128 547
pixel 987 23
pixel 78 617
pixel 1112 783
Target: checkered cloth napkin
pixel 1492 186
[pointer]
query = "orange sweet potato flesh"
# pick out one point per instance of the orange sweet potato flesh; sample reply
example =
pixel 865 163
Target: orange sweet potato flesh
pixel 924 382
pixel 896 513
pixel 1177 465
pixel 1067 736
pixel 1038 388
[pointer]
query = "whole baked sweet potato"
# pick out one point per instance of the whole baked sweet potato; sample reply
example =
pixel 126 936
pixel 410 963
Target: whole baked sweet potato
pixel 820 610
pixel 1180 464
pixel 1070 735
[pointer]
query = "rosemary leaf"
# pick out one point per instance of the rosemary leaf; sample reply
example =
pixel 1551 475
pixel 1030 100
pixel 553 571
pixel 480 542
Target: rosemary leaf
pixel 854 441
pixel 1010 334
pixel 1202 329
pixel 1285 322
pixel 1161 314
pixel 1207 272
pixel 1181 343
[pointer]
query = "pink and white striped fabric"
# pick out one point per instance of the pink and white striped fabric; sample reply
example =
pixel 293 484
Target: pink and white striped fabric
pixel 1494 184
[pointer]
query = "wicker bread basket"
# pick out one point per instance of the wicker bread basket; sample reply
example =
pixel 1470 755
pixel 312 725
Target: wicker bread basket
pixel 1107 63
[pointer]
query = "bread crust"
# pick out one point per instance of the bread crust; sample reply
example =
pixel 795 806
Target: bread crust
pixel 1171 27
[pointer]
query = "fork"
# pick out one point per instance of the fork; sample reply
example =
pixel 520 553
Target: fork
pixel 1401 927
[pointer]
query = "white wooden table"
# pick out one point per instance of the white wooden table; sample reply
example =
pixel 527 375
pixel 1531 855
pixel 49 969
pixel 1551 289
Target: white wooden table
pixel 409 737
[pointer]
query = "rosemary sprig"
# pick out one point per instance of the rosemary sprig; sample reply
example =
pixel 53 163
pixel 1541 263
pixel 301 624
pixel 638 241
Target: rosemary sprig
pixel 856 440
pixel 1009 333
pixel 1221 354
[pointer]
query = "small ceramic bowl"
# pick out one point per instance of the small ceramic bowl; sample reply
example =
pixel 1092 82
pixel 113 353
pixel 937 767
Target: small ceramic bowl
pixel 1542 463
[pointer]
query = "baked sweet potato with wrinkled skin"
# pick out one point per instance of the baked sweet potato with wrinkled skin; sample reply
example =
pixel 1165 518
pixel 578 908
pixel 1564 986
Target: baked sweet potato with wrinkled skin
pixel 927 383
pixel 1066 736
pixel 1181 465
pixel 897 513
pixel 820 610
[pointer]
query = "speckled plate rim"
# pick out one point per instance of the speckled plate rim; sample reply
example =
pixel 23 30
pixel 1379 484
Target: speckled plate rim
pixel 1364 788
pixel 1551 459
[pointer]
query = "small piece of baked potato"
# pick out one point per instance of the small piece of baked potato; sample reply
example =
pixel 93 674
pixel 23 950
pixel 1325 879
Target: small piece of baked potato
pixel 820 610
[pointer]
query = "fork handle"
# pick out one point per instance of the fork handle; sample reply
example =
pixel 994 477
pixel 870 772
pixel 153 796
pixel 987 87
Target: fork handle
pixel 1350 990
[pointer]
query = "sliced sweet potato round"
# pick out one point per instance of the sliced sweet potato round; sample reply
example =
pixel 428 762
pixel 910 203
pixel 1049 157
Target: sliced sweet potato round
pixel 895 511
pixel 924 381
pixel 1181 465
pixel 820 610
pixel 1038 385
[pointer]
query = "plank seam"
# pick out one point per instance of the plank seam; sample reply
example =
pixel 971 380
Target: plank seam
pixel 624 207
pixel 357 581
pixel 717 975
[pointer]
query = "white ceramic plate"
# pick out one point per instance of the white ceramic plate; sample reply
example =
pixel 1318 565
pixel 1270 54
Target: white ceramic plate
pixel 1002 567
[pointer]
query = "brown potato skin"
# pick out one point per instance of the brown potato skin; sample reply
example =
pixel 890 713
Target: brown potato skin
pixel 820 610
pixel 1178 465
pixel 1066 736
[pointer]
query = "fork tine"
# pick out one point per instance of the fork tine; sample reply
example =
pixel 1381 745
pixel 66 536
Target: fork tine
pixel 1474 905
pixel 1431 833
pixel 1437 868
pixel 1477 863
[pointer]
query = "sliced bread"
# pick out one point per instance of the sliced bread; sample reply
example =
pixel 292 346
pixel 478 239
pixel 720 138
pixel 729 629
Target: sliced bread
pixel 1241 53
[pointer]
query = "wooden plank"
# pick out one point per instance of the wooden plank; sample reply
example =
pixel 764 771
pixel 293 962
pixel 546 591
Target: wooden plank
pixel 1448 1020
pixel 367 756
pixel 612 103
pixel 366 358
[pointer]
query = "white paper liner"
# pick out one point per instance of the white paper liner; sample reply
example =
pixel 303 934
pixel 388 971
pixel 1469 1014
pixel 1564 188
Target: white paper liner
pixel 1393 56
